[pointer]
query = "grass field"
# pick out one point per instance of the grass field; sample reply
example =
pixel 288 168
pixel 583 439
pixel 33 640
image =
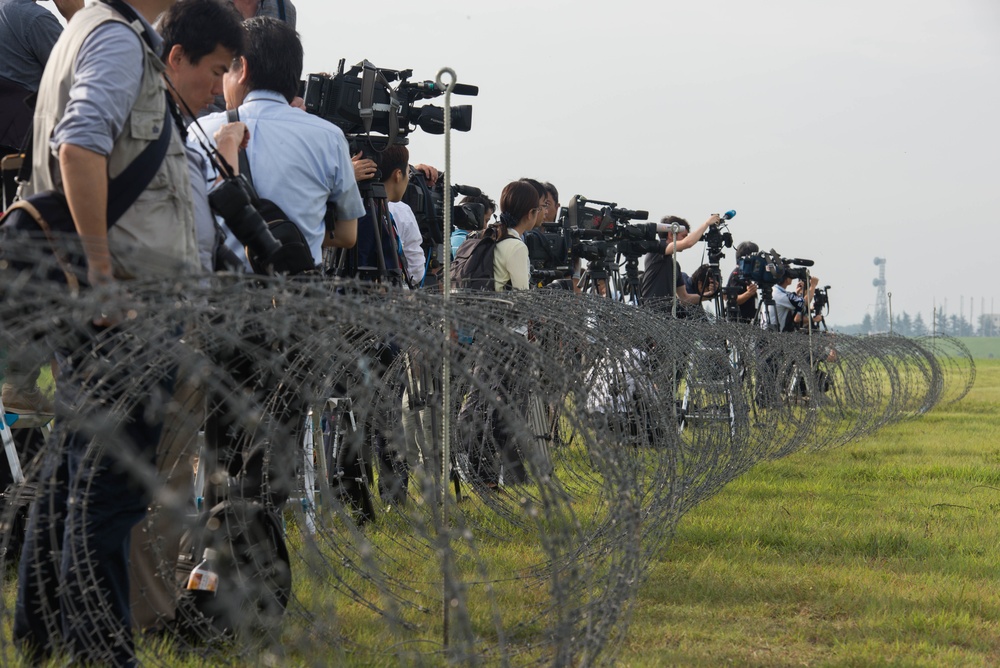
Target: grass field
pixel 983 347
pixel 884 552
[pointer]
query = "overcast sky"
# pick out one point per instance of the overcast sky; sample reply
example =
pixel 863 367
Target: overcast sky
pixel 839 130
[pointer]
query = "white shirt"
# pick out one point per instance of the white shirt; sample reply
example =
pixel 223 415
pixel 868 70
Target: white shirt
pixel 409 236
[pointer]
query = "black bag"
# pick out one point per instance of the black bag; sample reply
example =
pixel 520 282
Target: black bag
pixel 254 573
pixel 294 246
pixel 45 217
pixel 472 268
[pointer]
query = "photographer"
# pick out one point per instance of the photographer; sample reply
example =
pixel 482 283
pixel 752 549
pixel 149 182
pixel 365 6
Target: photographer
pixel 790 306
pixel 393 166
pixel 520 211
pixel 458 236
pixel 297 160
pixel 662 279
pixel 744 289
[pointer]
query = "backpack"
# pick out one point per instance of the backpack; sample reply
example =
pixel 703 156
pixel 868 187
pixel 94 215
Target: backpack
pixel 472 268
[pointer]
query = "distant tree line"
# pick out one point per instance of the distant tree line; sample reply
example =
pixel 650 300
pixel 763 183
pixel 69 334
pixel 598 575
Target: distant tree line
pixel 951 325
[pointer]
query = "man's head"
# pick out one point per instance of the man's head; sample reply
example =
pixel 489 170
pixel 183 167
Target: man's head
pixel 394 165
pixel 200 40
pixel 272 60
pixel 684 228
pixel 746 248
pixel 551 203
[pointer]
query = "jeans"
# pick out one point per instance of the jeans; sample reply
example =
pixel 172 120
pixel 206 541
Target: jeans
pixel 73 581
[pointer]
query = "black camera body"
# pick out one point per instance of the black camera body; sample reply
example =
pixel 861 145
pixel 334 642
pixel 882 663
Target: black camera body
pixel 821 300
pixel 275 246
pixel 768 269
pixel 361 101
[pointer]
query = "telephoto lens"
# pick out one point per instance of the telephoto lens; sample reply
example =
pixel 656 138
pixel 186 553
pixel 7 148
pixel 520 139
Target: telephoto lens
pixel 231 200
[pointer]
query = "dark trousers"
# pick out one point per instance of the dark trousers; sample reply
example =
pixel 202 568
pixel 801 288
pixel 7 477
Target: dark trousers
pixel 73 582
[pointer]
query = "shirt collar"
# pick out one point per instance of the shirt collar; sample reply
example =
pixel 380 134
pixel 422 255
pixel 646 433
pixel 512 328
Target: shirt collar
pixel 264 95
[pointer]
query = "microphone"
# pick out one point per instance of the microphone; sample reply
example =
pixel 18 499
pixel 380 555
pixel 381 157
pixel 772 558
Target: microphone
pixel 800 261
pixel 728 215
pixel 468 191
pixel 433 89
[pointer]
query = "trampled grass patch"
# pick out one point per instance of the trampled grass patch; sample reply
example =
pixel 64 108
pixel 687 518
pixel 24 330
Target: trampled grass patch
pixel 883 552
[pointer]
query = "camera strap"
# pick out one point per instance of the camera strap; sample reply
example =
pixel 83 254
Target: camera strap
pixel 233 115
pixel 366 110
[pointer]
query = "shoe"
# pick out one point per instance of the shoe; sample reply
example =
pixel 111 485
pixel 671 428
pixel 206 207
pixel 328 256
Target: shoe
pixel 24 402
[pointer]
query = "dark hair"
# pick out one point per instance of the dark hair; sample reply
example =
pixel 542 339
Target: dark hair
pixel 274 56
pixel 392 158
pixel 488 204
pixel 537 185
pixel 746 248
pixel 200 27
pixel 551 189
pixel 483 199
pixel 516 201
pixel 699 279
pixel 670 220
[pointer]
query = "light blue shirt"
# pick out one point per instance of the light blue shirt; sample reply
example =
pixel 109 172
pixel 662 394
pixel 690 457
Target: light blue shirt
pixel 106 82
pixel 204 220
pixel 298 161
pixel 458 237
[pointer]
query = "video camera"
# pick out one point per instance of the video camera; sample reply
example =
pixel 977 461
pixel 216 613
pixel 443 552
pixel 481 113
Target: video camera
pixel 591 222
pixel 717 239
pixel 768 269
pixel 428 207
pixel 821 300
pixel 361 102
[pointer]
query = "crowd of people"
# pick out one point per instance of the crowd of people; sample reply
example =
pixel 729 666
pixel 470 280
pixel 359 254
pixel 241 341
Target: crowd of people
pixel 128 75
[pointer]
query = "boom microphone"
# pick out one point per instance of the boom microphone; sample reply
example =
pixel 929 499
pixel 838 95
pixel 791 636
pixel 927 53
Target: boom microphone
pixel 468 191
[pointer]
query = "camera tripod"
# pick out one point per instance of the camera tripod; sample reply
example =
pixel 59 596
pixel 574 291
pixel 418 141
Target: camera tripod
pixel 377 256
pixel 598 279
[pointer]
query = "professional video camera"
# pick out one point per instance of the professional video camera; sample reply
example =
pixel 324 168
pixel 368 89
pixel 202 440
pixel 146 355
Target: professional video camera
pixel 428 207
pixel 606 222
pixel 718 237
pixel 361 101
pixel 821 303
pixel 768 269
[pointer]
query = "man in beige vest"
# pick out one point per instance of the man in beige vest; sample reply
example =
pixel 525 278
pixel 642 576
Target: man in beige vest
pixel 101 102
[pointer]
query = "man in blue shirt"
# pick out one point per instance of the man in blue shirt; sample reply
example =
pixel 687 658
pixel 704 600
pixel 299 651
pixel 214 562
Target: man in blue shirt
pixel 297 160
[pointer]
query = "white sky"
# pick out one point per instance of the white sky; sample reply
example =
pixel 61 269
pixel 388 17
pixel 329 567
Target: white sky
pixel 840 130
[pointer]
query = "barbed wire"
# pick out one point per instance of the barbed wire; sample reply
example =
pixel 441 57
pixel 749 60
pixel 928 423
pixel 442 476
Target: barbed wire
pixel 300 463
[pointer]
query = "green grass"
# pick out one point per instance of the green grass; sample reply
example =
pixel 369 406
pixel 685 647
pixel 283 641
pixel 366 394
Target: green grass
pixel 884 552
pixel 983 347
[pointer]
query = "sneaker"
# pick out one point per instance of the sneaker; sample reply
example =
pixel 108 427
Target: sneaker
pixel 23 402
